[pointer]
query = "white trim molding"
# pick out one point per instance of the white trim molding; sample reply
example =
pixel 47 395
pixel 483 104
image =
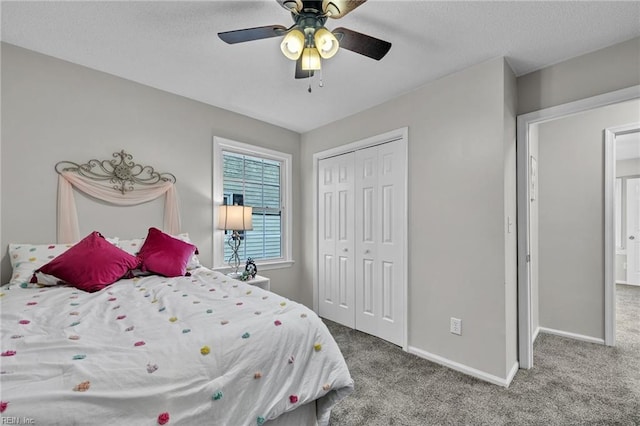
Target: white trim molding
pixel 575 336
pixel 465 369
pixel 524 126
pixel 535 334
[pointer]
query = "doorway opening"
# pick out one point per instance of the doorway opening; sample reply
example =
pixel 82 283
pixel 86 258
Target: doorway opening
pixel 627 203
pixel 622 195
pixel 564 321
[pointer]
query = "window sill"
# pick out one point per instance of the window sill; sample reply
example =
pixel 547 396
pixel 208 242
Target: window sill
pixel 262 266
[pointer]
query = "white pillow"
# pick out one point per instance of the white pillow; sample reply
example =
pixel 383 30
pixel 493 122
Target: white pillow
pixel 133 247
pixel 26 258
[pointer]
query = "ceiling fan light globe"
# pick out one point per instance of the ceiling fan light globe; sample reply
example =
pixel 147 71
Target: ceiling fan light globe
pixel 326 43
pixel 310 59
pixel 292 44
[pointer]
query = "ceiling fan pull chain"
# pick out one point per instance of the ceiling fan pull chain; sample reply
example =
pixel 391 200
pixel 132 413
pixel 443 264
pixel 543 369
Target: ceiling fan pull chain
pixel 320 83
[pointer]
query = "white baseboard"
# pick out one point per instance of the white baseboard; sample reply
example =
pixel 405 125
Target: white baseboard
pixel 535 334
pixel 571 335
pixel 512 373
pixel 470 371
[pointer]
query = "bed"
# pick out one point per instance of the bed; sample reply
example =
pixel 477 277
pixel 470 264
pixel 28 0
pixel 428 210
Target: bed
pixel 200 348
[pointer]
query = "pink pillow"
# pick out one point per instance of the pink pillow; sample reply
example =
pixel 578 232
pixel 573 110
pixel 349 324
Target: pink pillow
pixel 92 264
pixel 162 254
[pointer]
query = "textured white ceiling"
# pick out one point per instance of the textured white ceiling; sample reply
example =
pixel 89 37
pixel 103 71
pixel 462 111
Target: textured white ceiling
pixel 174 46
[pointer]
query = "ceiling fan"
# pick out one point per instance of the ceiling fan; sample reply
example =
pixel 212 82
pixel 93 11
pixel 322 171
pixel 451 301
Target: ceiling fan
pixel 307 41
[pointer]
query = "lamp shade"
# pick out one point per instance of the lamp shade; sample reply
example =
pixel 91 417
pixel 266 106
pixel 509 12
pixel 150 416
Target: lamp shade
pixel 292 44
pixel 310 59
pixel 326 43
pixel 235 218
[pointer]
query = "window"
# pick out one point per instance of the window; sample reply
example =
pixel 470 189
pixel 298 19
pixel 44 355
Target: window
pixel 255 181
pixel 260 178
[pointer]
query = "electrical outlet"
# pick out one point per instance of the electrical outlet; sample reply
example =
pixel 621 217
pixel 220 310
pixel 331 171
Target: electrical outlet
pixel 456 326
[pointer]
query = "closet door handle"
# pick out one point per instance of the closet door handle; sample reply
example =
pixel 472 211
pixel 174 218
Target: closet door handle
pixel 367 251
pixel 345 249
pixel 632 237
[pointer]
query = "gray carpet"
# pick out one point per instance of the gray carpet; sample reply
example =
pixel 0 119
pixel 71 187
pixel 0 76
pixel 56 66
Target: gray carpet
pixel 572 382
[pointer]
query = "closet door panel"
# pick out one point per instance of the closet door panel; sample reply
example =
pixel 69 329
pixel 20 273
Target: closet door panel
pixel 380 201
pixel 367 236
pixel 368 288
pixel 327 279
pixel 390 254
pixel 388 311
pixel 335 239
pixel 326 237
pixel 344 282
pixel 368 217
pixel 345 216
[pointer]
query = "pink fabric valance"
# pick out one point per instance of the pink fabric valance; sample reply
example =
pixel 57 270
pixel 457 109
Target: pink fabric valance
pixel 68 228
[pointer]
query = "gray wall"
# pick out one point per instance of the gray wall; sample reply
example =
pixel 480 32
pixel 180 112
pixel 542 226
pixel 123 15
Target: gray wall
pixel 53 110
pixel 571 208
pixel 612 68
pixel 458 141
pixel 510 215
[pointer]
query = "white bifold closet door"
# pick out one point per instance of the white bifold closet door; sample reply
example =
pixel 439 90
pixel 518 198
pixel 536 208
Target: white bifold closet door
pixel 361 243
pixel 380 204
pixel 336 239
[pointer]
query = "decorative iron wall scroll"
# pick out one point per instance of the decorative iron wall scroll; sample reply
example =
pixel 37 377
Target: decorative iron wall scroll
pixel 122 172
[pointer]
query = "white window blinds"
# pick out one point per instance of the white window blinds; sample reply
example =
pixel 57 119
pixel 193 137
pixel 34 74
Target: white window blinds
pixel 256 182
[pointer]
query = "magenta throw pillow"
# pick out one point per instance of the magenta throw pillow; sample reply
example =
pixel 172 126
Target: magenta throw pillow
pixel 164 255
pixel 92 264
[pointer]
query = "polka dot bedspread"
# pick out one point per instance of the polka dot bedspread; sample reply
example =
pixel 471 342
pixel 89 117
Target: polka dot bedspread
pixel 202 349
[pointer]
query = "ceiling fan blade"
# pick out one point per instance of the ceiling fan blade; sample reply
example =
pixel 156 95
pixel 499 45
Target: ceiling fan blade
pixel 338 8
pixel 291 5
pixel 362 43
pixel 300 73
pixel 250 34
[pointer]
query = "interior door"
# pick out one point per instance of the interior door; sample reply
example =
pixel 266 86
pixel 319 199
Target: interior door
pixel 633 231
pixel 336 239
pixel 380 203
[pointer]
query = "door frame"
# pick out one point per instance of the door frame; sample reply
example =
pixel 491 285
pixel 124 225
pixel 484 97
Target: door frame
pixel 524 125
pixel 610 135
pixel 401 134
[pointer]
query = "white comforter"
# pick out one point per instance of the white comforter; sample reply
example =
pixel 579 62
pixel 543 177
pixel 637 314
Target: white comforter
pixel 194 350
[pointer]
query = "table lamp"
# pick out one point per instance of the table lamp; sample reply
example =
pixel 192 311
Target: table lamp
pixel 235 218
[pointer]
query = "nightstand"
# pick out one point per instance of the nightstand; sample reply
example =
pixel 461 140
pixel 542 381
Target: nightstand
pixel 260 281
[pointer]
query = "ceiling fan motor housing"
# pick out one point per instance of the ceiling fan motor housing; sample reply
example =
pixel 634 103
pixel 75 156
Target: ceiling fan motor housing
pixel 308 23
